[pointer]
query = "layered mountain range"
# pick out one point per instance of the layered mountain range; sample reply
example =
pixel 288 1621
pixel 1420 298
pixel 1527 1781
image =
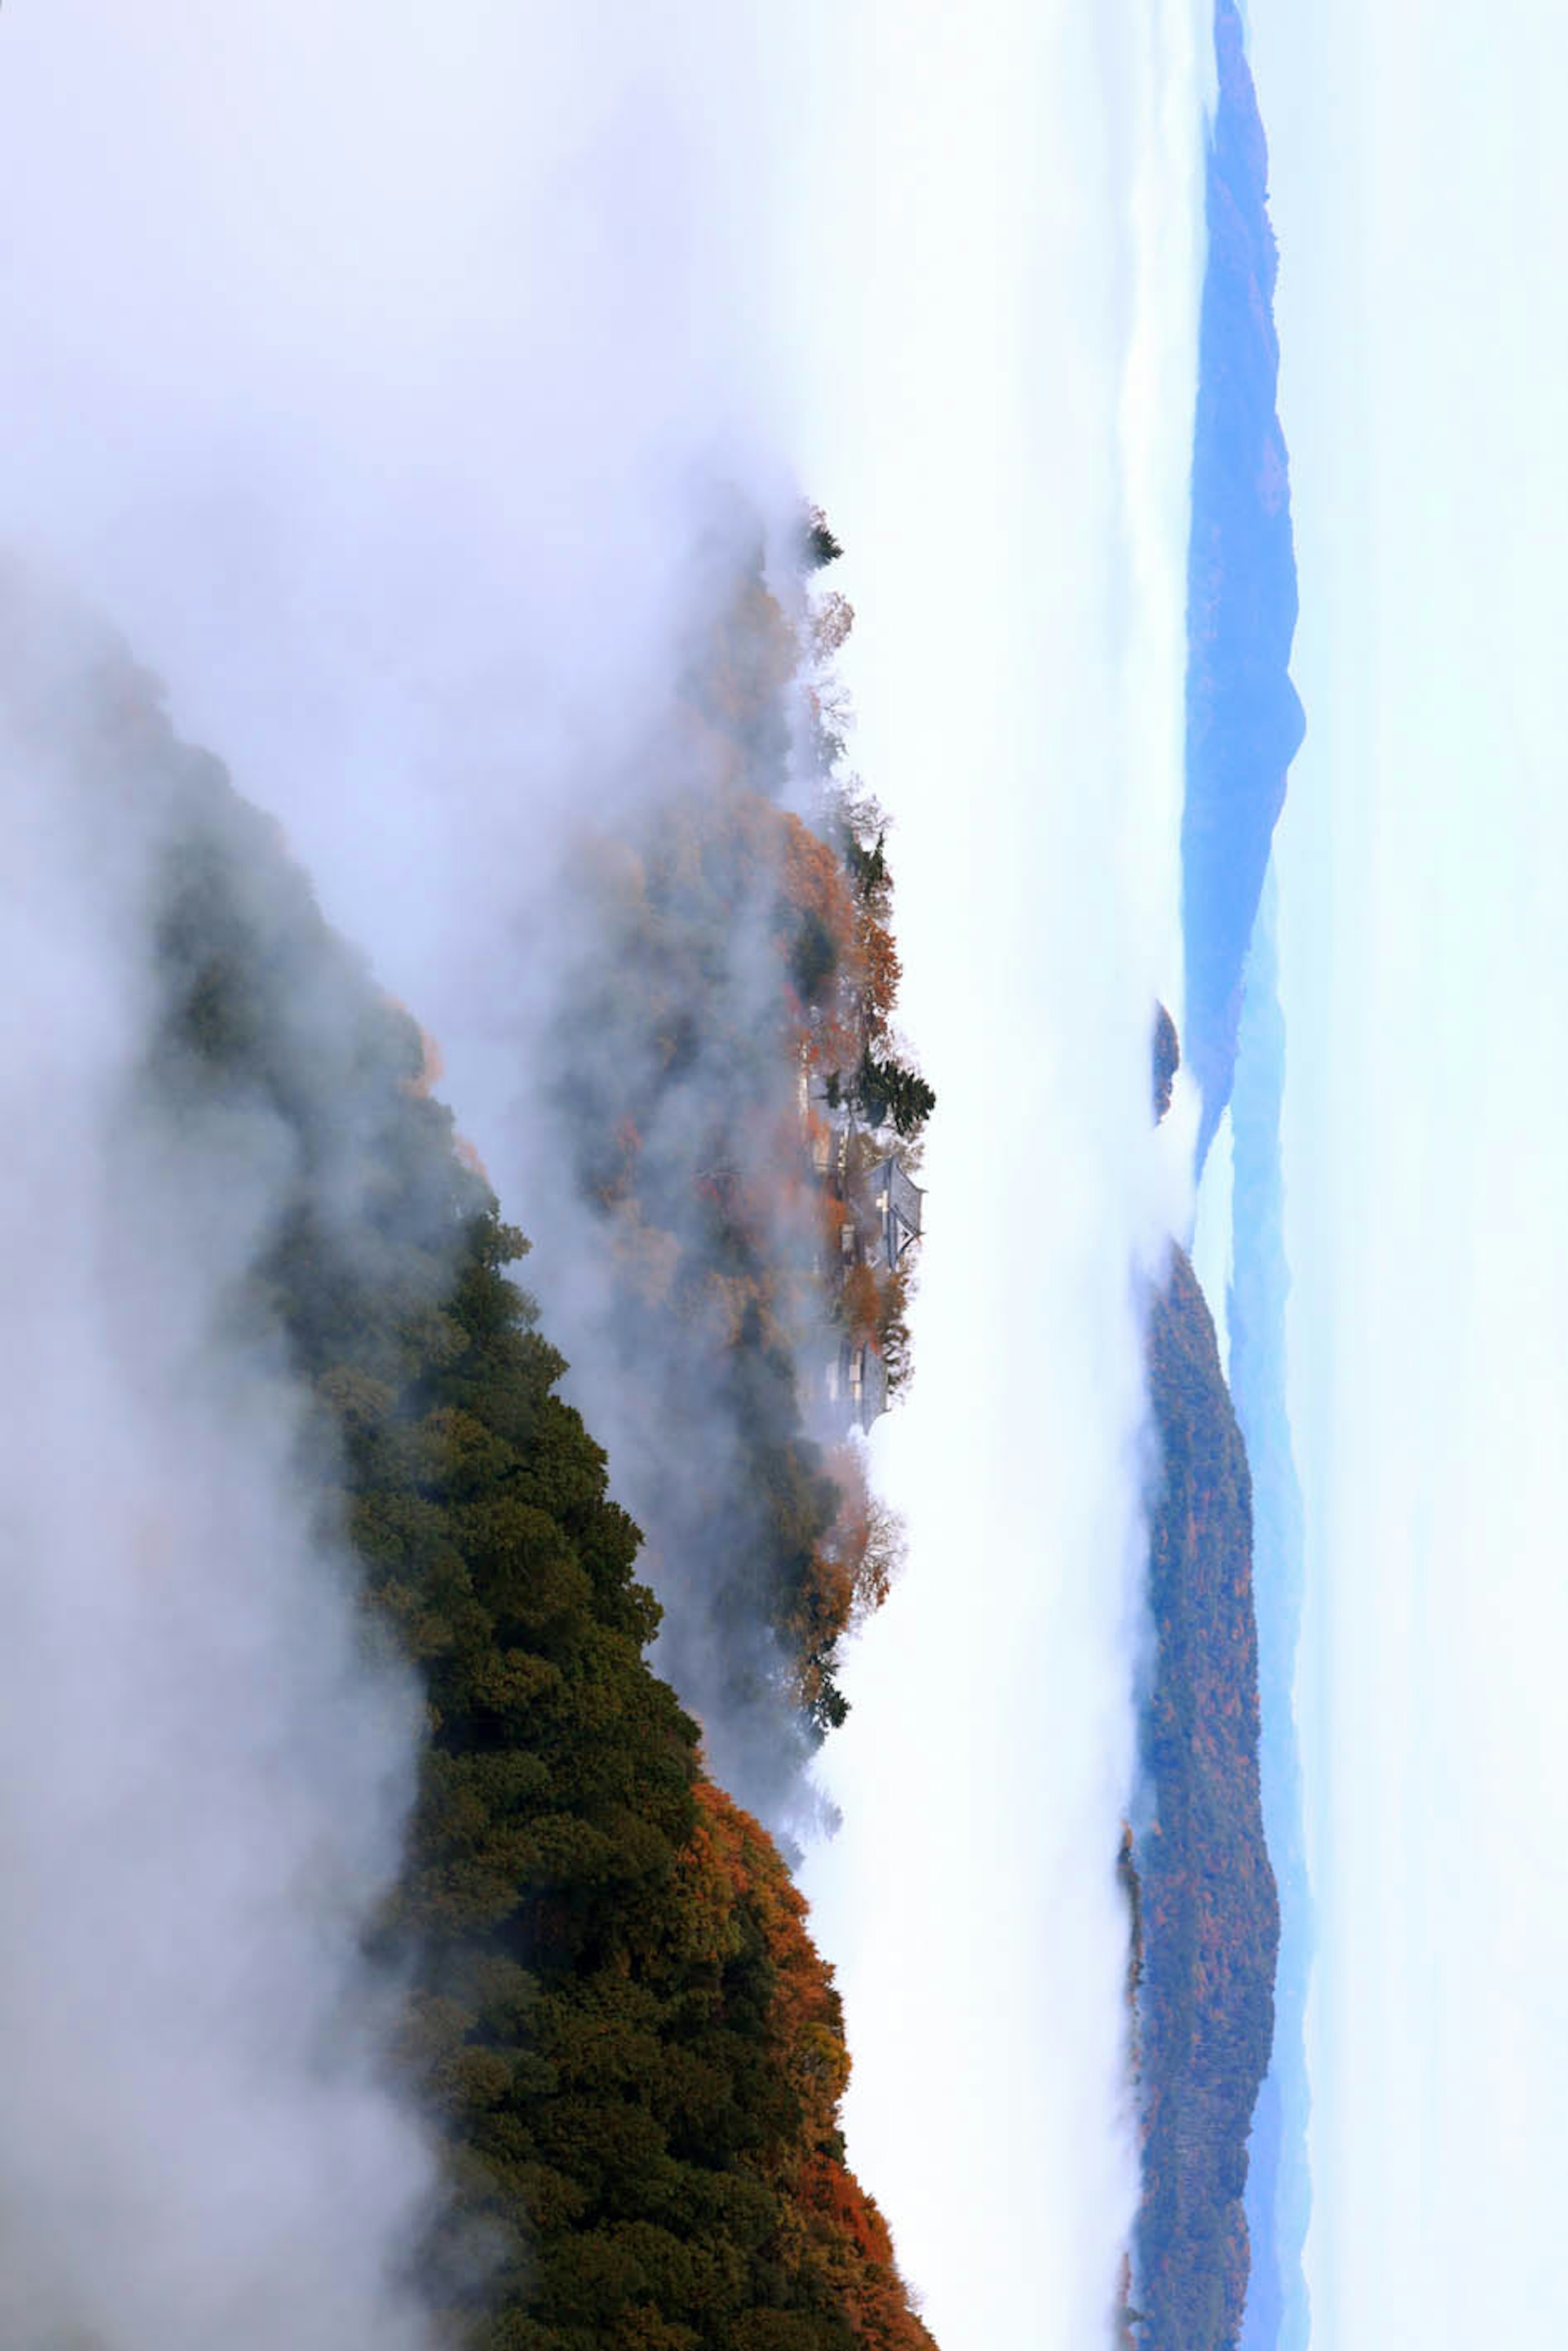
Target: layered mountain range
pixel 1220 2128
pixel 1244 720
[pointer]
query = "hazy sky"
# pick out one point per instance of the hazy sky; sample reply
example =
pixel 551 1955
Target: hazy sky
pixel 1421 185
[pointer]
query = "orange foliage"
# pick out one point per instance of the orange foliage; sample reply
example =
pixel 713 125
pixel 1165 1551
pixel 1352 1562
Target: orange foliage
pixel 748 655
pixel 733 1866
pixel 813 877
pixel 832 618
pixel 852 1568
pixel 718 857
pixel 862 1303
pixel 832 1217
pixel 866 1542
pixel 879 971
pixel 467 1154
pixel 433 1064
pixel 832 2228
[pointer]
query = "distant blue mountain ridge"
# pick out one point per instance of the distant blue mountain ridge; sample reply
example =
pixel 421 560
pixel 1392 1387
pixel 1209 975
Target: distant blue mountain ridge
pixel 1244 726
pixel 1244 722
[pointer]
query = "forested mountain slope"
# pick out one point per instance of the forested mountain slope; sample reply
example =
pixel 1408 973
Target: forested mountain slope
pixel 1209 1930
pixel 614 2014
pixel 1278 2201
pixel 722 1092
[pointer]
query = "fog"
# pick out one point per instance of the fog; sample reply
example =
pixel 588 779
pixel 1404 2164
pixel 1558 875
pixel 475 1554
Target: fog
pixel 202 1777
pixel 408 393
pixel 1037 776
pixel 408 385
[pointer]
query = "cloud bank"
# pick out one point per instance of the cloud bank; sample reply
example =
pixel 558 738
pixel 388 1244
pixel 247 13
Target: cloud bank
pixel 1046 291
pixel 202 1777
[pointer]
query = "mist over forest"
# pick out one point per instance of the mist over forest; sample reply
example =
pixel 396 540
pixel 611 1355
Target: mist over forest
pixel 463 1992
pixel 599 1333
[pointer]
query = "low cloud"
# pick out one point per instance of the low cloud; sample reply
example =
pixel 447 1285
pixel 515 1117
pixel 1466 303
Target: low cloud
pixel 202 1777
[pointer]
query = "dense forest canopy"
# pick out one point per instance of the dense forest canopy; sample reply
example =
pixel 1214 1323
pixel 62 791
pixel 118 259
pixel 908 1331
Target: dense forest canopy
pixel 613 2016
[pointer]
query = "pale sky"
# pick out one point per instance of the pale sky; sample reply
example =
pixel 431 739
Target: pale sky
pixel 1420 186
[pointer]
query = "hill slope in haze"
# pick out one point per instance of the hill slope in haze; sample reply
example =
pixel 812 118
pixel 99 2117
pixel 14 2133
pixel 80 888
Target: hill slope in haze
pixel 1207 1905
pixel 726 1106
pixel 615 2019
pixel 1279 2184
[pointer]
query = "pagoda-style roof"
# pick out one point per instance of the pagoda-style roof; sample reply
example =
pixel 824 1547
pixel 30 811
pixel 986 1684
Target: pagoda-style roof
pixel 897 1199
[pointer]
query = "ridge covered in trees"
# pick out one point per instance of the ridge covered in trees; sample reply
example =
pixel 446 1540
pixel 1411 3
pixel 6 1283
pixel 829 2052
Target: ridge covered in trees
pixel 1206 1919
pixel 729 1086
pixel 615 2018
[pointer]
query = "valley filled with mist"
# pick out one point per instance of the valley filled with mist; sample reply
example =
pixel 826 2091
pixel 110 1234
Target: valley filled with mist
pixel 651 1533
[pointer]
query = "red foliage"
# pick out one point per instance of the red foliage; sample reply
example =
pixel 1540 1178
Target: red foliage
pixel 831 2227
pixel 879 971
